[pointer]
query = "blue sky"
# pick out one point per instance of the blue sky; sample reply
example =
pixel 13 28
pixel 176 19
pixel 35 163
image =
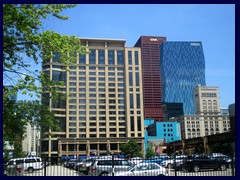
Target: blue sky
pixel 214 25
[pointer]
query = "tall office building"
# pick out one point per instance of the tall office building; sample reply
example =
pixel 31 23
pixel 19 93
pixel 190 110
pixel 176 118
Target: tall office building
pixel 206 99
pixel 105 107
pixel 152 85
pixel 182 67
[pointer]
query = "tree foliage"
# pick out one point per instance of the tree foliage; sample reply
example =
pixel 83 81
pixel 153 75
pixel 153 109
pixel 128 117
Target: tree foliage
pixel 224 148
pixel 150 151
pixel 25 46
pixel 131 148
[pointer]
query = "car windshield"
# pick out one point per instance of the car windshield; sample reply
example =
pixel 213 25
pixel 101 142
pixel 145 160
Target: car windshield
pixel 130 167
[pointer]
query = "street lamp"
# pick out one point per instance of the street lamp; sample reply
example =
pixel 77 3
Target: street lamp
pixel 75 155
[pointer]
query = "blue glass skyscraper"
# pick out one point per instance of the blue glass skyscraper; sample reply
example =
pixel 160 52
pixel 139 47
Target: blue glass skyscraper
pixel 182 67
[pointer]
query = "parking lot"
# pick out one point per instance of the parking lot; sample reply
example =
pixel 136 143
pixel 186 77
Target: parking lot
pixel 56 170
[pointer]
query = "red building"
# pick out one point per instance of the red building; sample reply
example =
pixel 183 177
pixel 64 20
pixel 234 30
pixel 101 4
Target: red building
pixel 152 85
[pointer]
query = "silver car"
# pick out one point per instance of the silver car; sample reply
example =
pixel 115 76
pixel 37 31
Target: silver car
pixel 104 167
pixel 14 170
pixel 143 169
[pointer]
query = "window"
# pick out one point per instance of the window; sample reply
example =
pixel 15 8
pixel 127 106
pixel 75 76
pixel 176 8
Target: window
pixel 111 79
pixel 138 100
pixel 82 78
pixel 82 68
pixel 136 57
pixel 130 79
pixel 56 57
pixel 92 79
pixel 112 95
pixel 101 73
pixel 92 84
pixel 102 101
pixel 101 57
pixel 82 59
pixel 82 95
pixel 82 89
pixel 82 84
pixel 137 78
pixel 132 123
pixel 82 100
pixel 72 124
pixel 101 79
pixel 92 107
pixel 111 74
pixel 82 73
pixel 82 107
pixel 92 73
pixel 59 76
pixel 131 100
pixel 92 101
pixel 120 57
pixel 101 89
pixel 129 58
pixel 121 101
pixel 92 57
pixel 82 118
pixel 110 57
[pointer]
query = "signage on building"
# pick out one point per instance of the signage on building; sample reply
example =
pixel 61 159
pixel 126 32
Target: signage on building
pixel 195 44
pixel 153 39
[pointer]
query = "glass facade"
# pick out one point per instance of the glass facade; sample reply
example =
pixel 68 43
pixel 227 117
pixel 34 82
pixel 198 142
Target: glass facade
pixel 182 67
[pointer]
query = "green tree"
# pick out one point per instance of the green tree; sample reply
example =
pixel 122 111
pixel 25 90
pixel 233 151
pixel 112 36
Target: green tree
pixel 199 149
pixel 131 148
pixel 25 46
pixel 150 151
pixel 224 148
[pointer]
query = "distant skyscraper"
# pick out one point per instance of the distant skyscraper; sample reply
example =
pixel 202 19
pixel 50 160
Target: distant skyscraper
pixel 152 86
pixel 182 67
pixel 206 100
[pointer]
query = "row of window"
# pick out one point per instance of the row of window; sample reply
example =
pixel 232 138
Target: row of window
pixel 99 89
pixel 95 130
pixel 100 118
pixel 99 112
pixel 95 124
pixel 101 57
pixel 100 135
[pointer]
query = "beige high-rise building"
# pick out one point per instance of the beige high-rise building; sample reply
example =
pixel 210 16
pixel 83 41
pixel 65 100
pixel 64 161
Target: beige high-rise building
pixel 105 107
pixel 208 119
pixel 206 100
pixel 193 126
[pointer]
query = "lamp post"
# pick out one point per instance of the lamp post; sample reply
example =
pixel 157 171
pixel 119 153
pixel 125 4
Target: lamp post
pixel 75 155
pixel 174 151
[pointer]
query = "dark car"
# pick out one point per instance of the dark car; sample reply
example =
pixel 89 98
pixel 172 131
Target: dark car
pixel 204 162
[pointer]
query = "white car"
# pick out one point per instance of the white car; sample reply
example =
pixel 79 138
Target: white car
pixel 30 163
pixel 169 162
pixel 143 169
pixel 136 160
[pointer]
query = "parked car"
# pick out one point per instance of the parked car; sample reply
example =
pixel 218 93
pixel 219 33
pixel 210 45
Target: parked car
pixel 102 167
pixel 169 162
pixel 143 169
pixel 204 162
pixel 84 167
pixel 14 170
pixel 29 164
pixel 71 163
pixel 156 159
pixel 136 160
